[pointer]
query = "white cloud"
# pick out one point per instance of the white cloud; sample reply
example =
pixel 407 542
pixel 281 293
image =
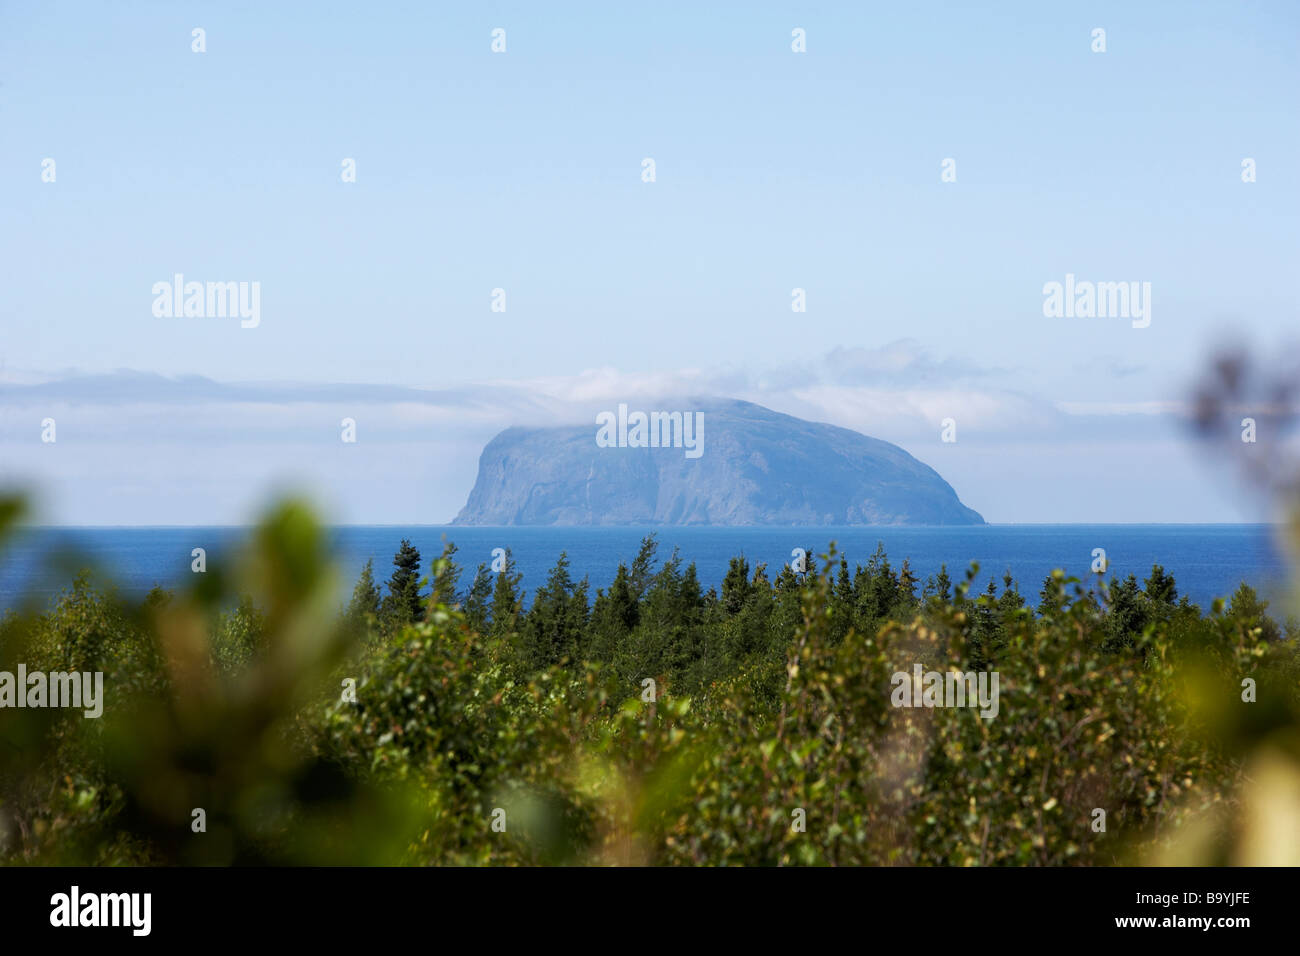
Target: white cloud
pixel 143 448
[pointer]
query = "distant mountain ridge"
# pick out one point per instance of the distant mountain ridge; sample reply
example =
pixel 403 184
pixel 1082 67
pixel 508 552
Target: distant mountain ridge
pixel 757 467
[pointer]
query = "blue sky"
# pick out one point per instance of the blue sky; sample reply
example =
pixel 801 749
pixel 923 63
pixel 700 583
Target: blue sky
pixel 521 171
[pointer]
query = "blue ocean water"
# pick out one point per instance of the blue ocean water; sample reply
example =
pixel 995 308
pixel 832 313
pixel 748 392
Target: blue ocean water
pixel 1206 560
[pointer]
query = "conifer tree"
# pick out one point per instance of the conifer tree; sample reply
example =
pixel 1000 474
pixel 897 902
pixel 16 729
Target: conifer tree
pixel 907 587
pixel 402 604
pixel 643 566
pixel 506 600
pixel 446 577
pixel 1160 587
pixel 364 605
pixel 477 603
pixel 735 586
pixel 1051 598
pixel 552 630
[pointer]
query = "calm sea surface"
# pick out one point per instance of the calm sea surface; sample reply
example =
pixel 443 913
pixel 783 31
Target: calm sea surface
pixel 1206 560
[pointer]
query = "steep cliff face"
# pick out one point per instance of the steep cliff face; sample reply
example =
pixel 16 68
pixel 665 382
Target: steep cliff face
pixel 757 467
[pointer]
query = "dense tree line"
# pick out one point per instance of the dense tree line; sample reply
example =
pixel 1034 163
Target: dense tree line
pixel 655 620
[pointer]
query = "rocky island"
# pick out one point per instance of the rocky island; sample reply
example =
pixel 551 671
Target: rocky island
pixel 749 466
